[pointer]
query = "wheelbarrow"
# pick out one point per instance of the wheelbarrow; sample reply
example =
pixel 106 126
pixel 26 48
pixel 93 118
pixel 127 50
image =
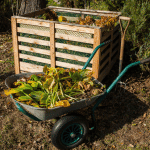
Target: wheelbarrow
pixel 71 129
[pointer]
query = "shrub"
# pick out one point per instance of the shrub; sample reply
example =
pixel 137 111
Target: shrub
pixel 52 3
pixel 98 5
pixel 139 12
pixel 107 5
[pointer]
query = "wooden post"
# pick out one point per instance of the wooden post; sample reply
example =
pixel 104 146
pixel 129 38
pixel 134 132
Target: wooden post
pixel 52 44
pixel 110 53
pixel 96 58
pixel 15 44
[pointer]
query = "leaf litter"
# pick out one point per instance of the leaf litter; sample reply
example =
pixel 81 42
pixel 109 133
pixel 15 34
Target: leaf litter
pixel 114 116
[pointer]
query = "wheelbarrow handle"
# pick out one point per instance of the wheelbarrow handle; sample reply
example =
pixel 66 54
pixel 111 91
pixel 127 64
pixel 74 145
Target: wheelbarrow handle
pixel 124 71
pixel 93 53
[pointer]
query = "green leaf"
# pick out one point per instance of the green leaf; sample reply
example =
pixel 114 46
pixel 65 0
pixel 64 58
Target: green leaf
pixel 52 84
pixel 25 87
pixel 84 72
pixel 43 98
pixel 20 94
pixel 47 83
pixel 75 76
pixel 24 98
pixel 36 95
pixel 35 105
pixel 35 85
pixel 35 77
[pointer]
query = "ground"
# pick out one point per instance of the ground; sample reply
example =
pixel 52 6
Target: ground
pixel 123 118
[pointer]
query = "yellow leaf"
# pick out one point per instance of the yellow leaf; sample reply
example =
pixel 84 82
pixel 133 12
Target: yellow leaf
pixel 30 81
pixel 63 103
pixel 12 91
pixel 34 105
pixel 22 86
pixel 61 18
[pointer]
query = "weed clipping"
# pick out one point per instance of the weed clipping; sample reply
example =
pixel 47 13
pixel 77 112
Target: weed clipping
pixel 57 87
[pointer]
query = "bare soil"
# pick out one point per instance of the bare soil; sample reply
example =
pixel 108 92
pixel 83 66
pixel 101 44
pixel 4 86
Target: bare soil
pixel 123 118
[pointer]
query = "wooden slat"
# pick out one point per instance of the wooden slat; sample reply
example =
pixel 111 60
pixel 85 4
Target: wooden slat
pixel 96 58
pixel 15 45
pixel 102 48
pixel 108 33
pixel 34 41
pixel 58 45
pixel 111 46
pixel 42 11
pixel 87 13
pixel 34 58
pixel 72 57
pixel 74 28
pixel 34 50
pixel 52 44
pixel 33 31
pixel 114 36
pixel 105 62
pixel 68 65
pixel 58 54
pixel 116 42
pixel 43 23
pixel 105 36
pixel 74 48
pixel 103 74
pixel 85 10
pixel 57 35
pixel 108 50
pixel 58 63
pixel 75 38
pixel 117 48
pixel 30 67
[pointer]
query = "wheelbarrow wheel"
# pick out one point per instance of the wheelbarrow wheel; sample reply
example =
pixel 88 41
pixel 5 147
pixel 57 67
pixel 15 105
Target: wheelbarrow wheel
pixel 69 132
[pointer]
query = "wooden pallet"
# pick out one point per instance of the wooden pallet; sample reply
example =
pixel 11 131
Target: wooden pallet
pixel 102 62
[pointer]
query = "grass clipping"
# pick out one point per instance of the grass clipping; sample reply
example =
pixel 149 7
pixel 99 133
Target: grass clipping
pixel 57 87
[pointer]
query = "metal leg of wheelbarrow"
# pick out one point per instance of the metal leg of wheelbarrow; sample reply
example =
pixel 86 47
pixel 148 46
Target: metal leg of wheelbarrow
pixel 93 126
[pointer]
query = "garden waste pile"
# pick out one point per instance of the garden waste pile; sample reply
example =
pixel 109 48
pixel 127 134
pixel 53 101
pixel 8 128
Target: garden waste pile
pixel 108 21
pixel 57 87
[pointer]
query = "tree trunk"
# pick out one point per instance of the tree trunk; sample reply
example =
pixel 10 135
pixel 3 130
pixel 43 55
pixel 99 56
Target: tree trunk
pixel 28 6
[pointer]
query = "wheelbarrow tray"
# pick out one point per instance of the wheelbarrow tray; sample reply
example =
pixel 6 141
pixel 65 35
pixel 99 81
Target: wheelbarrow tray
pixel 44 113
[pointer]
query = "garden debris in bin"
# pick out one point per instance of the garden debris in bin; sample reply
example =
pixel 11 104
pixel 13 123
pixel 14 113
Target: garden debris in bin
pixel 108 21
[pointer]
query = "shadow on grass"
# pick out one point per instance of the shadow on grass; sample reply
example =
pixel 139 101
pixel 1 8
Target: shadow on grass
pixel 120 107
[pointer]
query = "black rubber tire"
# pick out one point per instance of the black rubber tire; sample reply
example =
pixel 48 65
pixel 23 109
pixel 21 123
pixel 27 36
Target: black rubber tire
pixel 64 123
